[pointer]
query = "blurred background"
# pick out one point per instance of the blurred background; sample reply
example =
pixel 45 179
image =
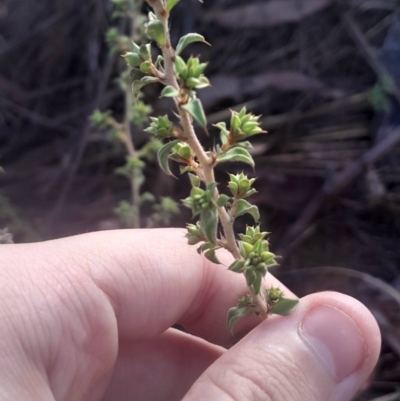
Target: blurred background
pixel 325 75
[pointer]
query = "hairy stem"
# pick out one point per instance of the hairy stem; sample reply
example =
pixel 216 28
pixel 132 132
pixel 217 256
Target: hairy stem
pixel 207 164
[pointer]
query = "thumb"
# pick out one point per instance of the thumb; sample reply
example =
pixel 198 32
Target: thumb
pixel 324 351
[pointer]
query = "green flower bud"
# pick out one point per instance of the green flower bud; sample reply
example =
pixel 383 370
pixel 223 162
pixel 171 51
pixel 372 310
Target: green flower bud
pixel 274 294
pixel 200 69
pixel 136 48
pixel 192 65
pixel 180 67
pixel 162 127
pixel 235 121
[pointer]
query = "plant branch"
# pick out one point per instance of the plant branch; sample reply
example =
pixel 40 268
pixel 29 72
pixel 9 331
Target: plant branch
pixel 130 147
pixel 206 163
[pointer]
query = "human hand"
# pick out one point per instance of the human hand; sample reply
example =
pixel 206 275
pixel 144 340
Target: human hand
pixel 89 317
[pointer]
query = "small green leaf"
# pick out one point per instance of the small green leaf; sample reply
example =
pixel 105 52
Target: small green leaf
pixel 147 197
pixel 244 144
pixel 195 109
pixel 284 306
pixel 257 283
pixel 145 67
pixel 187 39
pixel 211 256
pixel 245 249
pixel 234 314
pixel 259 246
pixel 210 188
pixel 224 131
pixel 152 16
pixel 159 60
pixel 203 82
pixel 145 52
pixel 209 223
pixel 155 29
pixel 169 91
pixel 243 207
pixel 170 4
pixel 132 59
pixel 163 153
pixel 221 201
pixel 138 85
pixel 250 276
pixel 233 187
pixel 194 180
pixel 204 247
pixel 236 155
pixel 237 266
pixel 193 240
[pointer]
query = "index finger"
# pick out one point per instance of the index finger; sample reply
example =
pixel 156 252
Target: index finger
pixel 153 280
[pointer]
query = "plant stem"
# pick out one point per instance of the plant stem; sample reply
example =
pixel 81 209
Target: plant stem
pixel 130 147
pixel 206 163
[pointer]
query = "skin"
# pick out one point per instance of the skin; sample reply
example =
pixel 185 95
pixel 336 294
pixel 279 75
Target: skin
pixel 89 318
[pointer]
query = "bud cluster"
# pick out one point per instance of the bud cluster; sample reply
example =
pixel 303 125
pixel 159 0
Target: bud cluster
pixel 132 168
pixel 101 119
pixel 274 295
pixel 190 74
pixel 182 153
pixel 200 199
pixel 116 42
pixel 161 127
pixel 120 8
pixel 256 257
pixel 241 186
pixel 194 234
pixel 140 58
pixel 244 125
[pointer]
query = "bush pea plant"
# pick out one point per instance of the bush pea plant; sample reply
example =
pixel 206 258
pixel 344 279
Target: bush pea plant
pixel 215 212
pixel 136 113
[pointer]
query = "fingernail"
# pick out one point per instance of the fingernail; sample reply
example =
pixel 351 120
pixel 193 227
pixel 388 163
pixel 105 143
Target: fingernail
pixel 335 339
